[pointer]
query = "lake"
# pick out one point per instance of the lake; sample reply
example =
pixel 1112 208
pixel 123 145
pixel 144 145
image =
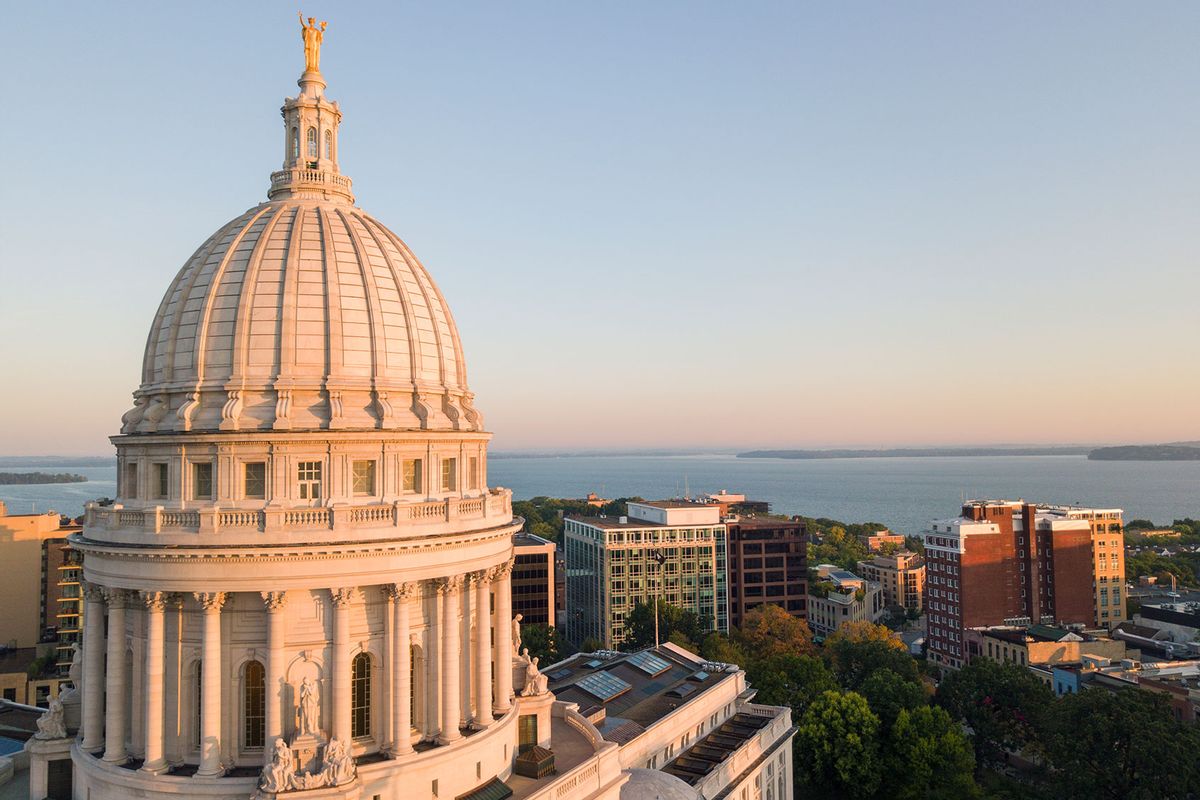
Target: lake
pixel 903 493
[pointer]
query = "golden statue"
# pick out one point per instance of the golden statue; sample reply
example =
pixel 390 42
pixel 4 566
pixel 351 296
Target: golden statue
pixel 312 36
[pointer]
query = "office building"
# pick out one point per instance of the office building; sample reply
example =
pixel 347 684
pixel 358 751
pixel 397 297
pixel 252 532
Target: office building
pixel 674 550
pixel 533 579
pixel 767 564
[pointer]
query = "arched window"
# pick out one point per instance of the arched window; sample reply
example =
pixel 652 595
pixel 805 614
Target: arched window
pixel 295 144
pixel 254 705
pixel 312 142
pixel 329 144
pixel 360 696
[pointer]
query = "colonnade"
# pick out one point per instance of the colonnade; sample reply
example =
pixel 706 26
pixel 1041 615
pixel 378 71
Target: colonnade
pixel 466 695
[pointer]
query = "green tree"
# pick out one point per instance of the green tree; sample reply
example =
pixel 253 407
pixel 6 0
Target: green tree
pixel 542 641
pixel 1123 745
pixel 929 756
pixel 790 680
pixel 1001 703
pixel 837 748
pixel 672 620
pixel 719 647
pixel 857 649
pixel 768 630
pixel 889 693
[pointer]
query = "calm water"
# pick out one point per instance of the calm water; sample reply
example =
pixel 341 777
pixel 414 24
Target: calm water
pixel 903 493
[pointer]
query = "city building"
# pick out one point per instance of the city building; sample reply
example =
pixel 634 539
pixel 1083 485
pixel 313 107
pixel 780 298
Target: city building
pixel 840 596
pixel 1040 645
pixel 17 685
pixel 1178 621
pixel 677 718
pixel 1179 681
pixel 32 548
pixel 900 575
pixel 674 550
pixel 304 582
pixel 70 608
pixel 767 564
pixel 731 503
pixel 1011 563
pixel 533 579
pixel 874 542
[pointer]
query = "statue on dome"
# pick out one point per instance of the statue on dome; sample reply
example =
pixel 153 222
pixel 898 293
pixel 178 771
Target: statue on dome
pixel 279 775
pixel 52 723
pixel 535 682
pixel 516 634
pixel 310 708
pixel 312 36
pixel 75 673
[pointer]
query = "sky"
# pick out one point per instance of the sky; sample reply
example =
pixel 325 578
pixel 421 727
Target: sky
pixel 689 224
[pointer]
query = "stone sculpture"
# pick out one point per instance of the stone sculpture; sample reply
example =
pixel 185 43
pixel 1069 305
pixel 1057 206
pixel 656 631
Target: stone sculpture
pixel 516 634
pixel 310 708
pixel 75 673
pixel 312 36
pixel 279 774
pixel 339 764
pixel 51 724
pixel 535 681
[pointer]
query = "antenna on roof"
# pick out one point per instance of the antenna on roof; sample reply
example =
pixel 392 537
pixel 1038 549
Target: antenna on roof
pixel 687 493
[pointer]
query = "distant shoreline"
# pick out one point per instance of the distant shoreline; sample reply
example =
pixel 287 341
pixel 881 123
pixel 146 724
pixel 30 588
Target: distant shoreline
pixel 39 478
pixel 1147 452
pixel 918 452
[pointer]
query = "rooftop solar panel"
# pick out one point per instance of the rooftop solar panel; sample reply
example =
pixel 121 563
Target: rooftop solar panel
pixel 603 686
pixel 649 663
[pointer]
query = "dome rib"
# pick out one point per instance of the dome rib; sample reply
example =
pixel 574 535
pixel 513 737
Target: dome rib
pixel 414 353
pixel 379 367
pixel 242 333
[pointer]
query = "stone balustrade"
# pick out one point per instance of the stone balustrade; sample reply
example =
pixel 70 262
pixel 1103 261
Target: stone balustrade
pixel 291 176
pixel 496 506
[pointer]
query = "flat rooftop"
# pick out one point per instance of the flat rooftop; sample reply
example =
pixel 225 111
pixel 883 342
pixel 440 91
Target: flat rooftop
pixel 673 503
pixel 615 523
pixel 634 689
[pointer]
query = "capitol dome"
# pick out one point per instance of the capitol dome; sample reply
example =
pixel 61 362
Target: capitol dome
pixel 303 313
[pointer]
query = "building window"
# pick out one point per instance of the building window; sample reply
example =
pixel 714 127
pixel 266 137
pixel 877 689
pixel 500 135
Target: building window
pixel 131 481
pixel 197 703
pixel 360 696
pixel 308 474
pixel 202 480
pixel 256 480
pixel 364 477
pixel 473 473
pixel 329 144
pixel 312 142
pixel 162 484
pixel 254 706
pixel 449 474
pixel 295 144
pixel 412 475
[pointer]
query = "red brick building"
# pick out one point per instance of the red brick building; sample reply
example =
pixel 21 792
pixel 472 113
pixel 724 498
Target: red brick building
pixel 768 563
pixel 1006 562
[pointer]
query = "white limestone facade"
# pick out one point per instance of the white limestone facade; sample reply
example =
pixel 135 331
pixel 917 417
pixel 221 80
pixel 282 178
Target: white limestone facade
pixel 305 567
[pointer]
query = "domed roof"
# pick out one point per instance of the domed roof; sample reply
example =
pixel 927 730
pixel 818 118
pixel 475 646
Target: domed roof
pixel 650 784
pixel 303 313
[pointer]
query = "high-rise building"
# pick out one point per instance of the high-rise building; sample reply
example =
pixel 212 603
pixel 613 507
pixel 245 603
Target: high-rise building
pixel 1011 562
pixel 767 564
pixel 32 548
pixel 900 575
pixel 674 550
pixel 533 579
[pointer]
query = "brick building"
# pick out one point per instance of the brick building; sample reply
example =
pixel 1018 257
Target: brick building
pixel 900 575
pixel 1012 562
pixel 767 564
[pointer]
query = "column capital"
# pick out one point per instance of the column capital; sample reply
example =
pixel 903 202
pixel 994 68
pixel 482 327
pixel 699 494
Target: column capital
pixel 343 596
pixel 210 601
pixel 274 600
pixel 93 593
pixel 502 571
pixel 448 584
pixel 115 597
pixel 401 591
pixel 154 601
pixel 473 579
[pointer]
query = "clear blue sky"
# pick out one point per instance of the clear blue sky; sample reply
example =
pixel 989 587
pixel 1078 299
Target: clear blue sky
pixel 658 224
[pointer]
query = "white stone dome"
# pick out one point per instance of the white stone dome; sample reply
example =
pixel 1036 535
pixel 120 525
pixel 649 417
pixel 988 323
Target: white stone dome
pixel 303 313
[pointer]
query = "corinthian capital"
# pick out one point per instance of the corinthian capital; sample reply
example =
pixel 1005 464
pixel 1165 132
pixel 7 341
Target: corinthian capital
pixel 503 570
pixel 449 584
pixel 210 601
pixel 93 593
pixel 115 597
pixel 274 600
pixel 343 596
pixel 154 601
pixel 401 591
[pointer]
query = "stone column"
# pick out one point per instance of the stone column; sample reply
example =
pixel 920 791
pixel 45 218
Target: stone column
pixel 155 603
pixel 274 602
pixel 483 649
pixel 341 663
pixel 114 693
pixel 210 690
pixel 93 669
pixel 504 642
pixel 450 588
pixel 402 687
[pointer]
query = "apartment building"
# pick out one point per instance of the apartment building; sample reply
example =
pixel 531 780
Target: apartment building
pixel 674 550
pixel 767 564
pixel 901 576
pixel 1006 562
pixel 840 596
